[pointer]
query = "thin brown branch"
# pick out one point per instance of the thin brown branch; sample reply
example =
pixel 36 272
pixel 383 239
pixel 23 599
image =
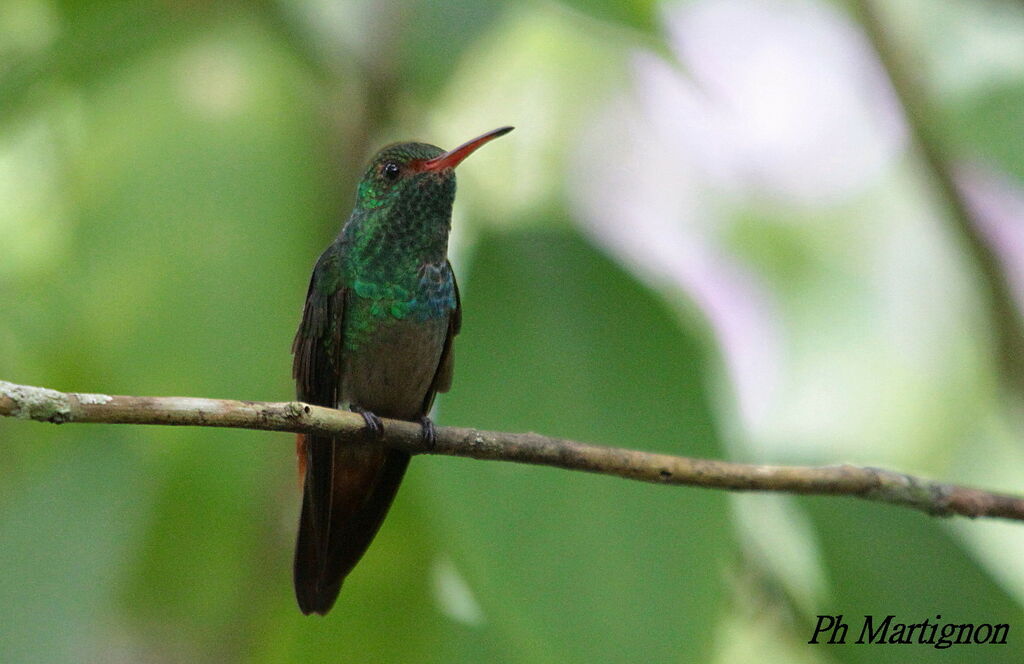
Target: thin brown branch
pixel 44 405
pixel 1004 318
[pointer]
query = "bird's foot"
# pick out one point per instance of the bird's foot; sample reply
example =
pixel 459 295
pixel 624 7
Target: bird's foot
pixel 429 433
pixel 374 427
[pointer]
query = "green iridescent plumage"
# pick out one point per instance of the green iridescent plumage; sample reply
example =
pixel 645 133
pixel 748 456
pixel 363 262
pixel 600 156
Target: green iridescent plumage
pixel 395 245
pixel 376 335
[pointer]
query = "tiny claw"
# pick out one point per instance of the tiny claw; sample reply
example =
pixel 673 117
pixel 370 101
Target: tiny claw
pixel 374 427
pixel 429 433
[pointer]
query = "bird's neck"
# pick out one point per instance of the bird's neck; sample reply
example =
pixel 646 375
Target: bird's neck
pixel 388 248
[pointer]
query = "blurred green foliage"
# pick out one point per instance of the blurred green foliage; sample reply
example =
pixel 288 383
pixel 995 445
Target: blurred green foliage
pixel 905 576
pixel 168 175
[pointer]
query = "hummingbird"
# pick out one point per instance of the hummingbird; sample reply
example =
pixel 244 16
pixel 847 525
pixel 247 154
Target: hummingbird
pixel 381 312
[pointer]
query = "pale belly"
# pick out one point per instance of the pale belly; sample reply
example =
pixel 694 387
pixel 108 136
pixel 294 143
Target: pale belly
pixel 391 372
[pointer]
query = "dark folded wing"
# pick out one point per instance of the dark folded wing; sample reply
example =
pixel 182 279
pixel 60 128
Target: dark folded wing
pixel 316 367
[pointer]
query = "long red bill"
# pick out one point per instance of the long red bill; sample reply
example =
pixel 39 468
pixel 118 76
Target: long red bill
pixel 453 158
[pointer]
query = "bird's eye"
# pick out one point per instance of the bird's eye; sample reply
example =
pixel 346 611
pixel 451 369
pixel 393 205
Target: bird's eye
pixel 390 171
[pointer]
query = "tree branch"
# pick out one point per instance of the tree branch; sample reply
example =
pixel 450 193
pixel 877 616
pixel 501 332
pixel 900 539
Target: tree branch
pixel 44 405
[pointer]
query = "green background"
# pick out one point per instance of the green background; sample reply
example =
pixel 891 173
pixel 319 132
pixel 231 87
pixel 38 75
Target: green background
pixel 169 173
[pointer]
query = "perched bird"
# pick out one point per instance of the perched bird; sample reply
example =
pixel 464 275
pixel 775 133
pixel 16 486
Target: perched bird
pixel 376 337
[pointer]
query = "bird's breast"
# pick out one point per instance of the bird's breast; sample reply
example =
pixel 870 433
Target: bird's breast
pixel 390 361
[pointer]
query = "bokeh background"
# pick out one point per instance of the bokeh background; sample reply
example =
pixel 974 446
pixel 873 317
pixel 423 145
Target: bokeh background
pixel 714 232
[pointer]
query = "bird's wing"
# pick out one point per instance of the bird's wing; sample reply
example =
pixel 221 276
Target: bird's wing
pixel 316 368
pixel 316 365
pixel 348 489
pixel 445 367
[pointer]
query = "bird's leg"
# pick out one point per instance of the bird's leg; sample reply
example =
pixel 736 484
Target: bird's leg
pixel 429 433
pixel 374 427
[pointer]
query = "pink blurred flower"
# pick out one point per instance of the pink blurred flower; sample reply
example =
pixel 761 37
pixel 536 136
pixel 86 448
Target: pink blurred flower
pixel 773 97
pixel 997 205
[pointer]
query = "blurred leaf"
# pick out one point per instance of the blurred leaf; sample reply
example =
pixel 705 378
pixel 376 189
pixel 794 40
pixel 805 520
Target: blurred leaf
pixel 882 560
pixel 640 14
pixel 567 566
pixel 431 38
pixel 64 533
pixel 541 71
pixel 199 171
pixel 989 125
pixel 96 39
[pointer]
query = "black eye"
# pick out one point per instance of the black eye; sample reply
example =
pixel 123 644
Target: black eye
pixel 390 171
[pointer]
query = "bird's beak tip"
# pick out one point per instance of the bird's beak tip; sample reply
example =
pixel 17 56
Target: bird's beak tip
pixel 453 158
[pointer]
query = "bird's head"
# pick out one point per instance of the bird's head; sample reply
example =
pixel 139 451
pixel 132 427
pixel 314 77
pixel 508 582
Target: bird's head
pixel 416 178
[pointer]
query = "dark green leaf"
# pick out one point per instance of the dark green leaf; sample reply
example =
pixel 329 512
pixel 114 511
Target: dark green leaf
pixel 882 560
pixel 566 566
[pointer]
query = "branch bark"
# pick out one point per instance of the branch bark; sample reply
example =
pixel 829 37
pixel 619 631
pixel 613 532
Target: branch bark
pixel 935 498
